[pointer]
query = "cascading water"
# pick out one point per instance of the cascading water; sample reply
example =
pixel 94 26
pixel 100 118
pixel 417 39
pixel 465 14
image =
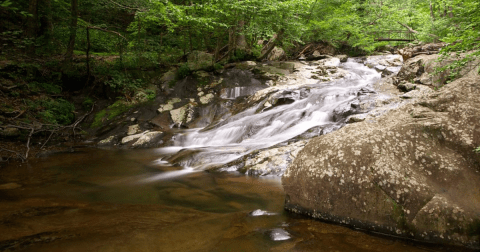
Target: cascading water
pixel 279 117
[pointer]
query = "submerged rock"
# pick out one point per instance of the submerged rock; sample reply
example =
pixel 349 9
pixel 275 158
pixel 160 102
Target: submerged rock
pixel 273 161
pixel 411 172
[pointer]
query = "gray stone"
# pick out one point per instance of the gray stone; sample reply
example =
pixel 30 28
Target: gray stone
pixel 343 58
pixel 389 71
pixel 356 118
pixel 198 60
pixel 107 141
pixel 206 99
pixel 147 138
pixel 407 87
pixel 169 106
pixel 183 115
pixel 128 139
pixel 273 161
pixel 133 129
pixel 409 173
pixel 276 54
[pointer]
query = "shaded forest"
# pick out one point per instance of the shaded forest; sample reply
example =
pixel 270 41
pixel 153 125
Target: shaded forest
pixel 58 57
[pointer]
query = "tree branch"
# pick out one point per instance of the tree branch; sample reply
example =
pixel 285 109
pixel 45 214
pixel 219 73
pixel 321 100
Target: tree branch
pixel 105 30
pixel 128 7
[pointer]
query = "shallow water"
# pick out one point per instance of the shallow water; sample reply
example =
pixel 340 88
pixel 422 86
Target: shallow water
pixel 108 200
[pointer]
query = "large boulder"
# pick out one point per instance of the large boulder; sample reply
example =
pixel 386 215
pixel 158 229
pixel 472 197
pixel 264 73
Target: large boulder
pixel 198 60
pixel 412 172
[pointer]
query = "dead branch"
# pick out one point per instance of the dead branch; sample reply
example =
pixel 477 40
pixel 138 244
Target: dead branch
pixel 14 152
pixel 28 142
pixel 128 7
pixel 48 139
pixel 304 50
pixel 410 29
pixel 81 119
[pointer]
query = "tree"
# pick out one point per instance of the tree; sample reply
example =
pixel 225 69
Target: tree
pixel 73 30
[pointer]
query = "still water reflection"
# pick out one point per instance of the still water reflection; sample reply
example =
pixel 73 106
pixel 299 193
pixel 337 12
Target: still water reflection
pixel 106 200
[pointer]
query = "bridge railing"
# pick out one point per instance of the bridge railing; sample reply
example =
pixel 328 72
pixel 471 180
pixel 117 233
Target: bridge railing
pixel 393 35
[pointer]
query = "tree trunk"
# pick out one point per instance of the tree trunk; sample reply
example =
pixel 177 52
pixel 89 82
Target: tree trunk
pixel 88 53
pixel 271 44
pixel 32 25
pixel 241 42
pixel 232 41
pixel 46 24
pixel 73 30
pixel 432 11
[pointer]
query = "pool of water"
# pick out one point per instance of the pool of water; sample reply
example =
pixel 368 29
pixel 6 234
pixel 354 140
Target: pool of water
pixel 115 200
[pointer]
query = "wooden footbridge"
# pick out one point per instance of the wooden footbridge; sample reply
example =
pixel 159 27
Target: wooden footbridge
pixel 393 35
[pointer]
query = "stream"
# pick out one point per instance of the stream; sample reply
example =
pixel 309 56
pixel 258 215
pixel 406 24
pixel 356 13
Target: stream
pixel 140 200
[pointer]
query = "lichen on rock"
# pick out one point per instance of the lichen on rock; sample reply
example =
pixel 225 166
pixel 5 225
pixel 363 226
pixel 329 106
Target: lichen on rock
pixel 410 172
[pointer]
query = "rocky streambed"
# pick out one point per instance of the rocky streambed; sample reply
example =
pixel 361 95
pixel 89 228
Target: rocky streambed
pixel 411 172
pixel 404 164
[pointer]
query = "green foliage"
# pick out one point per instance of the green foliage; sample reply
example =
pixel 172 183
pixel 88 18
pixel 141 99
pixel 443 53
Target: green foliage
pixel 182 72
pixel 112 111
pixel 87 103
pixel 124 83
pixel 151 94
pixel 57 111
pixel 47 87
pixel 98 120
pixel 477 150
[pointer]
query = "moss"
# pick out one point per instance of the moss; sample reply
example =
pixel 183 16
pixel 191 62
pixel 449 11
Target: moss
pixel 97 122
pixel 114 110
pixel 117 108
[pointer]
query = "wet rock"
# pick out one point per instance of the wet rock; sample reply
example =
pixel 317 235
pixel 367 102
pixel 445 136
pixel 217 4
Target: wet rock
pixel 389 71
pixel 419 92
pixel 168 76
pixel 207 99
pixel 356 118
pixel 343 58
pixel 279 234
pixel 148 138
pixel 202 74
pixel 108 141
pixel 246 65
pixel 169 106
pixel 133 129
pixel 272 161
pixel 317 56
pixel 9 186
pixel 128 139
pixel 183 115
pixel 260 212
pixel 198 60
pixel 380 68
pixel 410 52
pixel 276 54
pixel 407 87
pixel 411 172
pixel 426 79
